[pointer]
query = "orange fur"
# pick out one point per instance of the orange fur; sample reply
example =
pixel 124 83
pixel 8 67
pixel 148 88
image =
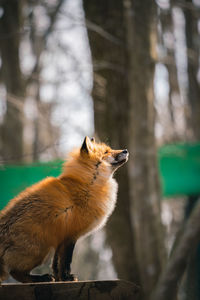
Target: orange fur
pixel 56 210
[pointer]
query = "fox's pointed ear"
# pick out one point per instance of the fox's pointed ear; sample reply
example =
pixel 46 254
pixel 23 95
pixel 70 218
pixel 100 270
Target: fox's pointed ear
pixel 86 146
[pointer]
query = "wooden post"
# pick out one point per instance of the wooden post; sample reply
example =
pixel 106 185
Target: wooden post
pixel 112 289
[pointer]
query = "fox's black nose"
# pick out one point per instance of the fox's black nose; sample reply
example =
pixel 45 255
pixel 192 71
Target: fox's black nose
pixel 125 151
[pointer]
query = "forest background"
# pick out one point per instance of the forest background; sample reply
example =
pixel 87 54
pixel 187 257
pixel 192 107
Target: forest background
pixel 128 72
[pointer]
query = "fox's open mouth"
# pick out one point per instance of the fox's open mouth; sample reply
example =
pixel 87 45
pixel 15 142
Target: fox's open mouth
pixel 119 162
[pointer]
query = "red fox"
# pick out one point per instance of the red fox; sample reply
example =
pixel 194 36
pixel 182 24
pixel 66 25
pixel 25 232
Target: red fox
pixel 56 212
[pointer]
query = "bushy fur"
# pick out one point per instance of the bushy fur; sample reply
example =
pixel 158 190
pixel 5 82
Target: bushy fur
pixel 58 210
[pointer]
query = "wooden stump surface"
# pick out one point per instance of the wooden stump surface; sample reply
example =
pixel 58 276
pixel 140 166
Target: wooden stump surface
pixel 90 290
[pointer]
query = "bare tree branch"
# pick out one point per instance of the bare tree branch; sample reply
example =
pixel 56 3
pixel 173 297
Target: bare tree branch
pixel 53 18
pixel 92 26
pixel 98 29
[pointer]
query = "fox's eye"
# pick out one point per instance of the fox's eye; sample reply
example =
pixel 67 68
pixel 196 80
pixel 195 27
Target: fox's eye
pixel 106 152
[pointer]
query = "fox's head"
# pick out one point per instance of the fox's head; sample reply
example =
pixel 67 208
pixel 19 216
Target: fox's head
pixel 94 159
pixel 100 153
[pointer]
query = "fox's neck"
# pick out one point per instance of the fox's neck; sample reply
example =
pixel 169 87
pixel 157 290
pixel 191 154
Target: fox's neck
pixel 87 179
pixel 91 189
pixel 95 174
pixel 86 174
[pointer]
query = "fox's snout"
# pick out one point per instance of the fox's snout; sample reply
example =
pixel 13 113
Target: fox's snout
pixel 122 155
pixel 120 158
pixel 125 151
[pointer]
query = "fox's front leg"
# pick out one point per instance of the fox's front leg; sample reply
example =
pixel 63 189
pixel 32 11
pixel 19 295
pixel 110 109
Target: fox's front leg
pixel 62 261
pixel 55 265
pixel 66 254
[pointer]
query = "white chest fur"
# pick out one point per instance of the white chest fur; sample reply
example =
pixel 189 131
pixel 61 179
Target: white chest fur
pixel 107 206
pixel 112 197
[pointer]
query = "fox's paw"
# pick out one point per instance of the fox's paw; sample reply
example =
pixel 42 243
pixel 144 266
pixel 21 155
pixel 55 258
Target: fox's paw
pixel 47 278
pixel 69 277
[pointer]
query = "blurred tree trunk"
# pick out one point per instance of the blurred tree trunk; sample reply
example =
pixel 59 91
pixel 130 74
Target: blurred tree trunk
pixel 12 128
pixel 38 44
pixel 192 276
pixel 166 21
pixel 111 106
pixel 192 43
pixel 124 112
pixel 11 32
pixel 143 169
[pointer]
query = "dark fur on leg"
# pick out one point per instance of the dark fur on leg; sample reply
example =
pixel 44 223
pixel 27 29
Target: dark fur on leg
pixel 65 262
pixel 62 262
pixel 3 272
pixel 55 265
